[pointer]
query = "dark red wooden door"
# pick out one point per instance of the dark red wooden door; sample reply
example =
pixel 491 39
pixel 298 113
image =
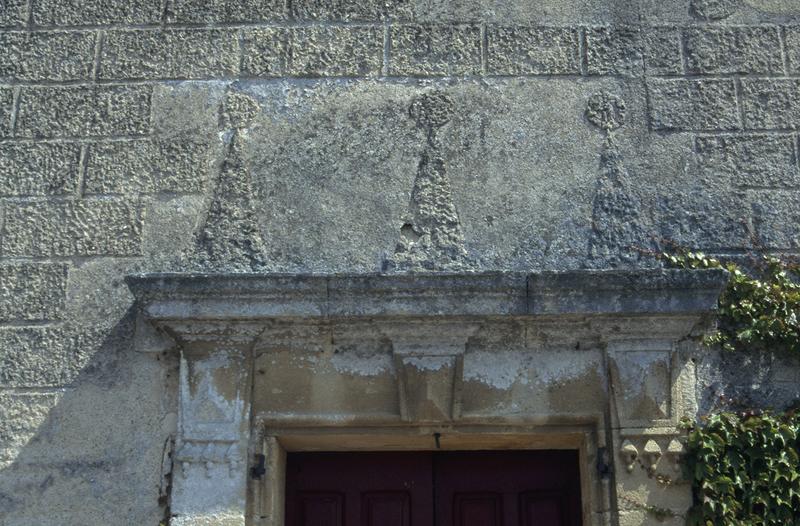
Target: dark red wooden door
pixel 359 489
pixel 464 488
pixel 507 488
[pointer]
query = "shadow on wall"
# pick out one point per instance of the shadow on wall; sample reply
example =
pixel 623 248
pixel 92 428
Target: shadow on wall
pixel 94 452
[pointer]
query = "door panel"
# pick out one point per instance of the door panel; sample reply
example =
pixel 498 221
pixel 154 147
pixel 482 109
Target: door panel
pixel 539 509
pixel 477 509
pixel 320 509
pixel 459 488
pixel 386 508
pixel 533 488
pixel 378 489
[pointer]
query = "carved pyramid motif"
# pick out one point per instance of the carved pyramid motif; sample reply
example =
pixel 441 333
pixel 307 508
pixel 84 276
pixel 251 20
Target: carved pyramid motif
pixel 230 239
pixel 431 238
pixel 617 231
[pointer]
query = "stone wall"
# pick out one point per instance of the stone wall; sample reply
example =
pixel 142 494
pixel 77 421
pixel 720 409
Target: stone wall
pixel 147 135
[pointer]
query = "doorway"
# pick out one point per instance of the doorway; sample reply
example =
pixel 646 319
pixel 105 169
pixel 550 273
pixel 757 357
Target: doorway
pixel 434 488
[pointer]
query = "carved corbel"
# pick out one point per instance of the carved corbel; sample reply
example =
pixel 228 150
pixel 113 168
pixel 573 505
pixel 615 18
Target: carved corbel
pixel 213 426
pixel 642 376
pixel 429 361
pixel 151 339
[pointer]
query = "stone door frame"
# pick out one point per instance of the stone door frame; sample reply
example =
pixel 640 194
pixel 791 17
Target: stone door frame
pixel 267 493
pixel 221 324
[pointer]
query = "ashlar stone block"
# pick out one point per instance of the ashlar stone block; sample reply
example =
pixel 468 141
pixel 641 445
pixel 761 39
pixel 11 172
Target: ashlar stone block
pixel 55 55
pixel 792 35
pixel 749 160
pixel 74 111
pixel 14 13
pixel 38 169
pixel 180 53
pixel 771 103
pixel 614 51
pixel 533 50
pixel 708 219
pixel 432 50
pixel 682 104
pixel 266 52
pixel 21 414
pixel 95 12
pixel 6 107
pixel 662 51
pixel 727 50
pixel 776 215
pixel 32 291
pixel 313 52
pixel 43 356
pixel 225 11
pixel 352 10
pixel 73 228
pixel 145 166
pixel 336 51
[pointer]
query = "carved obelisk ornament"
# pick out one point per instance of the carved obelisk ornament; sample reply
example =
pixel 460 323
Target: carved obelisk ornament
pixel 616 226
pixel 431 237
pixel 230 239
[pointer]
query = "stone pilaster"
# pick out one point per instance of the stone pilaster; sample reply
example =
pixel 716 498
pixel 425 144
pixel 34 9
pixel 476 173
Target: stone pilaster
pixel 211 457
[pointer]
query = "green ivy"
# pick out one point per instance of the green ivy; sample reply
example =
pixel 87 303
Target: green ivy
pixel 755 313
pixel 745 470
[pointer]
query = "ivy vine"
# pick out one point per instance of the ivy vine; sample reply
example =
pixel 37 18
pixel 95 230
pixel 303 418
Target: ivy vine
pixel 745 470
pixel 745 467
pixel 755 312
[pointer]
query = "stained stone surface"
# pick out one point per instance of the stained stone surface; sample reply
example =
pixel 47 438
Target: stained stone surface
pixel 250 136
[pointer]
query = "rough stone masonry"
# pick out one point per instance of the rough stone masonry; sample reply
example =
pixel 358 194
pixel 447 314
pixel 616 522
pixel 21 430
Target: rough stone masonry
pixel 141 136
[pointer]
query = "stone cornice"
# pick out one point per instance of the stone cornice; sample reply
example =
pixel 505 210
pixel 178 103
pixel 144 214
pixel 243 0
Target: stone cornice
pixel 252 297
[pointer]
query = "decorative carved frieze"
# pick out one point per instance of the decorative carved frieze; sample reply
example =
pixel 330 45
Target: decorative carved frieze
pixel 209 454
